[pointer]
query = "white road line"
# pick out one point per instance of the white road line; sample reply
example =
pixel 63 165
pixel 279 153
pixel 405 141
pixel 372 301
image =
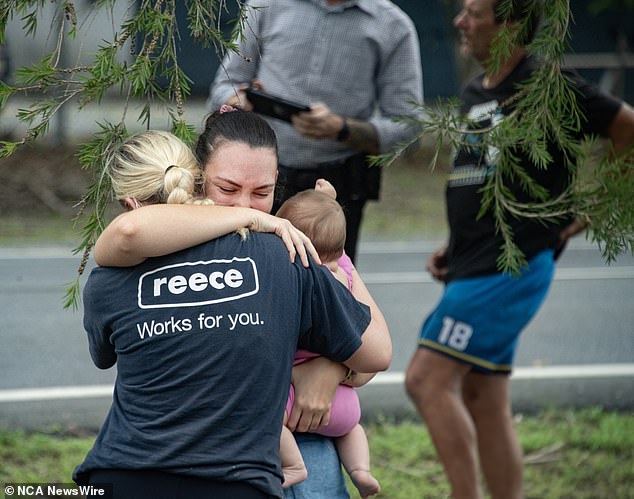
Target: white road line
pixel 396 277
pixel 561 274
pixel 575 274
pixel 55 393
pixel 582 371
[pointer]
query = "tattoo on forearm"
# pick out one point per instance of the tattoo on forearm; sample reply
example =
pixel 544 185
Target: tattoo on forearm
pixel 363 137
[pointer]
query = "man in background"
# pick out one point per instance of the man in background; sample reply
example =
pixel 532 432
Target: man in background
pixel 356 63
pixel 459 377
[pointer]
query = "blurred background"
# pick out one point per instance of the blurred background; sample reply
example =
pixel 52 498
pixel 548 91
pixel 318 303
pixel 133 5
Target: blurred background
pixel 600 45
pixel 44 179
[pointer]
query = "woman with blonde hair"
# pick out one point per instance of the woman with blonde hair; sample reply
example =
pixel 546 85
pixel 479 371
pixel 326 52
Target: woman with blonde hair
pixel 154 167
pixel 157 168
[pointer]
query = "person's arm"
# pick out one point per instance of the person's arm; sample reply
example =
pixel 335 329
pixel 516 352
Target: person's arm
pixel 399 87
pixel 322 123
pixel 356 380
pixel 621 135
pixel 375 353
pixel 621 130
pixel 161 229
pixel 101 348
pixel 399 84
pixel 437 264
pixel 316 381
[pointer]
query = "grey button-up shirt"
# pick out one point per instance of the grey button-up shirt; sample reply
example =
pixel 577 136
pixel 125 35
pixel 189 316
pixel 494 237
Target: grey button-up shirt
pixel 361 58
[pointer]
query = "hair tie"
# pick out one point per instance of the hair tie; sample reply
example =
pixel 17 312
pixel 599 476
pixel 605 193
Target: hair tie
pixel 226 108
pixel 169 168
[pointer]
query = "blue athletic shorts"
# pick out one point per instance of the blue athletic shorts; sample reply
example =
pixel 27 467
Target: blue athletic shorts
pixel 479 319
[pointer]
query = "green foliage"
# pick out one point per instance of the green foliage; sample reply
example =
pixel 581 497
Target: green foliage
pixel 7 148
pixel 545 110
pixel 26 9
pixel 140 62
pixel 604 198
pixel 92 157
pixel 40 457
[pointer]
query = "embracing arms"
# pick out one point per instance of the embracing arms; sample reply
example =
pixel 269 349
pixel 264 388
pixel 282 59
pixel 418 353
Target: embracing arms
pixel 316 381
pixel 161 229
pixel 375 353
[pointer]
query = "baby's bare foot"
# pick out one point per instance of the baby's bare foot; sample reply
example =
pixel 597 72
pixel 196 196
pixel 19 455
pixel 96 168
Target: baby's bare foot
pixel 365 483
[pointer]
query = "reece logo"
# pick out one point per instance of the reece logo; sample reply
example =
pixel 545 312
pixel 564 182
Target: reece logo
pixel 198 283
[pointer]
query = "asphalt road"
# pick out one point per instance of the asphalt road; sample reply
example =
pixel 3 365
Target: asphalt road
pixel 579 350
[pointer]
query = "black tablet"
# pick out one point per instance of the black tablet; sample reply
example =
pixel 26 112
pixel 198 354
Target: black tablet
pixel 271 105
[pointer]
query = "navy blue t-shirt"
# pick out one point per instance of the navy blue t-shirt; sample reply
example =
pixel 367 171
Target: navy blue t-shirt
pixel 204 341
pixel 474 243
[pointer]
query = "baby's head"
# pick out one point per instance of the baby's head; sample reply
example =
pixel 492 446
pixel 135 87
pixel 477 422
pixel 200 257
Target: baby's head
pixel 317 214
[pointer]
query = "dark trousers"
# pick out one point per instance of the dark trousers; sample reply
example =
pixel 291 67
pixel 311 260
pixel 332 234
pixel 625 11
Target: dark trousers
pixel 355 184
pixel 129 484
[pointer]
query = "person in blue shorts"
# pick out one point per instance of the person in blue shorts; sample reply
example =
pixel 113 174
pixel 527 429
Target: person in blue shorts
pixel 459 376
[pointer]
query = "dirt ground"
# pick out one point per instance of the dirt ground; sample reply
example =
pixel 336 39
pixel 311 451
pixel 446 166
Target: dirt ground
pixel 41 181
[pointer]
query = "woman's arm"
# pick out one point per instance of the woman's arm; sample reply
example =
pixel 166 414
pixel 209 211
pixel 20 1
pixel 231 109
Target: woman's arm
pixel 375 353
pixel 358 379
pixel 315 382
pixel 161 229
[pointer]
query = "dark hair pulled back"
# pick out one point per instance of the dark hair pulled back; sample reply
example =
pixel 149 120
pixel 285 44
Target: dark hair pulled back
pixel 235 126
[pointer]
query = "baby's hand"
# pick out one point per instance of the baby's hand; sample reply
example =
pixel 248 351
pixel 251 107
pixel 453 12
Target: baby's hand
pixel 322 185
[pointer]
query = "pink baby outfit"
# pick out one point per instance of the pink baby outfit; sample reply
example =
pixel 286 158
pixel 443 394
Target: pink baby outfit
pixel 345 412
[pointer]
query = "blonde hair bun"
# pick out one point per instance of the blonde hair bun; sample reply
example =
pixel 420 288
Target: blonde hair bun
pixel 155 167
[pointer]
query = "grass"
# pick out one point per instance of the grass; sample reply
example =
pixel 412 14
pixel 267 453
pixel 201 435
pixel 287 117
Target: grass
pixel 40 457
pixel 38 230
pixel 584 454
pixel 412 205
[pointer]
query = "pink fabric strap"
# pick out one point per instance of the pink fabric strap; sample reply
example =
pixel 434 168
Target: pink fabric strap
pixel 347 266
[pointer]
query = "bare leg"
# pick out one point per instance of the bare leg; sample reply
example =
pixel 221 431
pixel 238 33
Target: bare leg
pixel 488 400
pixel 354 453
pixel 292 463
pixel 434 383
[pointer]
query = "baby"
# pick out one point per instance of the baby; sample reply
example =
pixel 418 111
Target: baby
pixel 318 214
